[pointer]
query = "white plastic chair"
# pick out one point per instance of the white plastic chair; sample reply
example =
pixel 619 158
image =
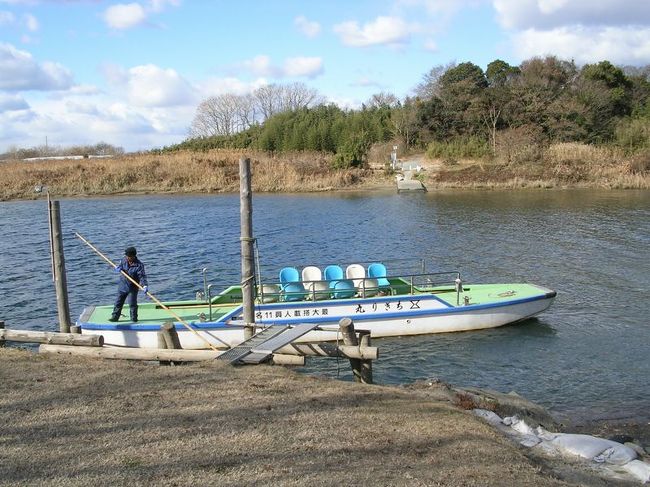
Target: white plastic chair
pixel 365 287
pixel 312 279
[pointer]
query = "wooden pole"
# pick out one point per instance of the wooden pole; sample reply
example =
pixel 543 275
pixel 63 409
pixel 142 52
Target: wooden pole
pixel 366 364
pixel 119 353
pixel 162 345
pixel 2 327
pixel 30 336
pixel 330 350
pixel 247 259
pixel 170 335
pixel 60 282
pixel 346 327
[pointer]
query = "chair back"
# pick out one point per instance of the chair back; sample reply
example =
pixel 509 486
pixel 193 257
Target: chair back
pixel 312 273
pixel 378 271
pixel 333 272
pixel 289 274
pixel 355 271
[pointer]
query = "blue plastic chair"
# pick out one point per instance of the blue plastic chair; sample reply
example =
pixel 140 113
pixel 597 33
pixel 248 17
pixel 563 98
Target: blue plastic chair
pixel 377 270
pixel 292 288
pixel 341 287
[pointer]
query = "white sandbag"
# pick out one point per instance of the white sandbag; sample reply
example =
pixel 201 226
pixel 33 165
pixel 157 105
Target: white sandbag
pixel 586 446
pixel 529 441
pixel 639 469
pixel 489 416
pixel 616 455
pixel 545 435
pixel 519 425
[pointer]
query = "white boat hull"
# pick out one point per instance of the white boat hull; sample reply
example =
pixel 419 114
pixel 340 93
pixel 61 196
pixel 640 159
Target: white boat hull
pixel 383 317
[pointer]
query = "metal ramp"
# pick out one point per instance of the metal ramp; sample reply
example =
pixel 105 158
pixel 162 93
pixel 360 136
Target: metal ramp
pixel 261 346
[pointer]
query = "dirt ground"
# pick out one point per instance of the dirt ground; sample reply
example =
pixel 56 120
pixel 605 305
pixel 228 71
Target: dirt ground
pixel 75 421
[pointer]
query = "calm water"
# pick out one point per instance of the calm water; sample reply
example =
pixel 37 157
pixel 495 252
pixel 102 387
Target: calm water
pixel 588 356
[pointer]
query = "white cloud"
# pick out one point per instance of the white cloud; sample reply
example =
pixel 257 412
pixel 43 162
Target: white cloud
pixel 21 72
pixel 587 44
pixel 152 86
pixel 308 27
pixel 262 66
pixel 548 14
pixel 219 86
pixel 31 22
pixel 303 66
pixel 125 16
pixel 382 30
pixel 10 103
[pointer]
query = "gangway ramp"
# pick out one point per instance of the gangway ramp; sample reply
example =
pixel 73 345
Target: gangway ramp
pixel 260 347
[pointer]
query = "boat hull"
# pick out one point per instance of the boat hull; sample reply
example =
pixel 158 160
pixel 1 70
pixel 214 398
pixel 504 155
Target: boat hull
pixel 382 316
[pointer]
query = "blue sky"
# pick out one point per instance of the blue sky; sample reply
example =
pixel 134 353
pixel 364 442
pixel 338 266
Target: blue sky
pixel 132 74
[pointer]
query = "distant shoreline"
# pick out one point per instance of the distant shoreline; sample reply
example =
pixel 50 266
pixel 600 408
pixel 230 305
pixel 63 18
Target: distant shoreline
pixel 216 171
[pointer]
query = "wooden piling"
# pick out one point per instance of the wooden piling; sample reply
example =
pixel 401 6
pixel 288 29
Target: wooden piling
pixel 60 282
pixel 246 239
pixel 366 364
pixel 31 336
pixel 2 327
pixel 350 339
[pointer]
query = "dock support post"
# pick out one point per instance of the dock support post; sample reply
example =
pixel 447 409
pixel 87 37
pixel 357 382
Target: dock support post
pixel 246 239
pixel 359 371
pixel 168 339
pixel 2 326
pixel 60 282
pixel 366 365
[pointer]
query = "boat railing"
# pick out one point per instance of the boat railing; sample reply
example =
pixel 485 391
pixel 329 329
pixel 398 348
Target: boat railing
pixel 316 290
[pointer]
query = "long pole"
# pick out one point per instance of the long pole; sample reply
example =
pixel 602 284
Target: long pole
pixel 60 281
pixel 151 296
pixel 246 239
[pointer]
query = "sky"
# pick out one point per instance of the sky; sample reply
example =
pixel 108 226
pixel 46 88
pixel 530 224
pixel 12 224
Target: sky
pixel 80 72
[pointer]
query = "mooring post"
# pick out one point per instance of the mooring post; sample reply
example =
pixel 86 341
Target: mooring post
pixel 346 326
pixel 366 365
pixel 2 326
pixel 60 282
pixel 246 239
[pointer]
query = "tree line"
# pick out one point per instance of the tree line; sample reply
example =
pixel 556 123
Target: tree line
pixel 457 110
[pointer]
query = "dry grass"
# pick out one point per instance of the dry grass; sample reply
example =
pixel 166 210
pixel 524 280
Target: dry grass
pixel 182 172
pixel 562 165
pixel 83 422
pixel 566 165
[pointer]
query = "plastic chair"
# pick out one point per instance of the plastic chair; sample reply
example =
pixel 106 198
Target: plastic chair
pixel 312 279
pixel 378 271
pixel 292 288
pixel 268 293
pixel 365 286
pixel 341 287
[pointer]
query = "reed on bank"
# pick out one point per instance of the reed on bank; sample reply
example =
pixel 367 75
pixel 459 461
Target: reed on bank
pixel 559 166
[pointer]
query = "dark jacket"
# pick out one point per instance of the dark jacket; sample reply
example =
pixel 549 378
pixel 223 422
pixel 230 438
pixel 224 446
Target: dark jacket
pixel 135 272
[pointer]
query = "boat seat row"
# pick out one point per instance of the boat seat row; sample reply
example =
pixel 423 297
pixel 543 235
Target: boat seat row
pixel 333 282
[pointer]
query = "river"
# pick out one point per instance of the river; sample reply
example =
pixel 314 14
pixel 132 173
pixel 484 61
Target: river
pixel 587 356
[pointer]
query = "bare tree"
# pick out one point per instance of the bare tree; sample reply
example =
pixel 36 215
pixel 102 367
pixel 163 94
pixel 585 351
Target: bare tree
pixel 430 85
pixel 298 95
pixel 218 115
pixel 383 99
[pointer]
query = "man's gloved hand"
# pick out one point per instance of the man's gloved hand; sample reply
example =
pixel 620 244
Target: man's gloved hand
pixel 145 289
pixel 117 269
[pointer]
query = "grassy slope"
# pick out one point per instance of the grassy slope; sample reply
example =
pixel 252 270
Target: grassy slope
pixel 83 422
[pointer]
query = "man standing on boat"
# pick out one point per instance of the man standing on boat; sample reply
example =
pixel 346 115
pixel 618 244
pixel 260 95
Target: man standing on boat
pixel 131 265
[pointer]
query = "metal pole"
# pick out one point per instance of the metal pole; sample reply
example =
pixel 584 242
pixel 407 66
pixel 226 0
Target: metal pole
pixel 246 239
pixel 60 282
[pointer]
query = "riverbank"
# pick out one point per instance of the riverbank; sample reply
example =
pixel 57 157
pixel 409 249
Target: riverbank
pixel 216 171
pixel 80 421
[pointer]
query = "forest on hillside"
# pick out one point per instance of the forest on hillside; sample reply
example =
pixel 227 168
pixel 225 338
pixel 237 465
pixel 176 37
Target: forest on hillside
pixel 507 113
